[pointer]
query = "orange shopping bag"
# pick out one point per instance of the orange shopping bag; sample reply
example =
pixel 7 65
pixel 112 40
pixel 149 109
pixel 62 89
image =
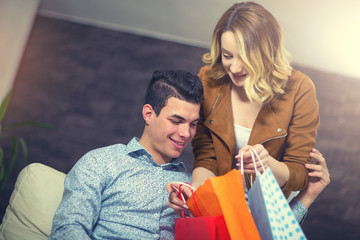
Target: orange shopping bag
pixel 225 195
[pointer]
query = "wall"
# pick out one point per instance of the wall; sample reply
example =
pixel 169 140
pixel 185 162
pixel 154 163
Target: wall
pixel 322 34
pixel 16 19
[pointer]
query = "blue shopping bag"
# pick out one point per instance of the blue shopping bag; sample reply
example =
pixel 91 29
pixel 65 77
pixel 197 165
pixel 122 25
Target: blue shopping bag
pixel 271 212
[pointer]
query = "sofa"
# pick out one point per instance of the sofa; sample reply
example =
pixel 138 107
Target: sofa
pixel 37 194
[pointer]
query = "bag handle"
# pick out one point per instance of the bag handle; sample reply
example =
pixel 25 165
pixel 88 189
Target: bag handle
pixel 181 196
pixel 253 152
pixel 253 156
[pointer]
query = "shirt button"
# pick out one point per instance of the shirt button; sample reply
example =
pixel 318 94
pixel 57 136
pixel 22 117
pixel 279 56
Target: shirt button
pixel 278 130
pixel 156 236
pixel 211 121
pixel 159 191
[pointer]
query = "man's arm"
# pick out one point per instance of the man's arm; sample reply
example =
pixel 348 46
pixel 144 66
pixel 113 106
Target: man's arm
pixel 81 203
pixel 319 179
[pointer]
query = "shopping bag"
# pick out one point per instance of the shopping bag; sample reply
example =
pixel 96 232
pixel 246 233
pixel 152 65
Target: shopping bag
pixel 271 212
pixel 225 195
pixel 201 228
pixel 206 228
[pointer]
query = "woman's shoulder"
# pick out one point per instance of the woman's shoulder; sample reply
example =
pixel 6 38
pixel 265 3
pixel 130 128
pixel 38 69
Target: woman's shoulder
pixel 300 80
pixel 203 73
pixel 209 82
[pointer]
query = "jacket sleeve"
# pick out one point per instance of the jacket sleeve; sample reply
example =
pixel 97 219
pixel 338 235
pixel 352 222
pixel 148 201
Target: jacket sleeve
pixel 302 131
pixel 203 147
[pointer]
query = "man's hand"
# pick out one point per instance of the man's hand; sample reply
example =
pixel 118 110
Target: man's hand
pixel 174 200
pixel 319 179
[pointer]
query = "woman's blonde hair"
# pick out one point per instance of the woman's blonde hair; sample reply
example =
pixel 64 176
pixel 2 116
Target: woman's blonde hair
pixel 261 48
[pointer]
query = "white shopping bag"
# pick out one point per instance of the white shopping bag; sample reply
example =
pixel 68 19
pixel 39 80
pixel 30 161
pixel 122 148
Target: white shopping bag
pixel 271 212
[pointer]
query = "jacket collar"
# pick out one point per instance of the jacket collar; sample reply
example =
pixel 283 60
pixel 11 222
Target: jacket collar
pixel 267 126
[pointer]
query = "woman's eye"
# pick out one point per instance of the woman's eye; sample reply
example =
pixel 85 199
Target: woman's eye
pixel 226 56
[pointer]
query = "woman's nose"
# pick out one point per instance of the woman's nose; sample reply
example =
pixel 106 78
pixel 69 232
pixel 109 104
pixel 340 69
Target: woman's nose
pixel 236 66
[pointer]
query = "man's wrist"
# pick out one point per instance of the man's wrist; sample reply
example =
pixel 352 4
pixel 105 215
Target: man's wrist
pixel 306 199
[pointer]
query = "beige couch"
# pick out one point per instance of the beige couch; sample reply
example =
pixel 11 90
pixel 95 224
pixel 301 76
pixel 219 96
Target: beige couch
pixel 36 196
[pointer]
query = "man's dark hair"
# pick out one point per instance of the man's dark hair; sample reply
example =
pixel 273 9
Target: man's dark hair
pixel 173 83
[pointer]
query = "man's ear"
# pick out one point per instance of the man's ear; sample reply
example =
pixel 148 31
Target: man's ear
pixel 147 113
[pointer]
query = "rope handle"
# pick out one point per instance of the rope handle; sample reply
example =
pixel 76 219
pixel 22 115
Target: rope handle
pixel 253 156
pixel 182 198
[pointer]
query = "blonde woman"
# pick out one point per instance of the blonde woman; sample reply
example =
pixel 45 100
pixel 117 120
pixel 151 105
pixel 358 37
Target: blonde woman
pixel 254 99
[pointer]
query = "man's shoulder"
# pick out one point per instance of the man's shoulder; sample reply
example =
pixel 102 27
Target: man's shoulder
pixel 104 161
pixel 110 150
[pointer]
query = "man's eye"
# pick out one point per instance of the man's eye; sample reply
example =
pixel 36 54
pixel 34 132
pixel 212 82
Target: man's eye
pixel 193 124
pixel 174 121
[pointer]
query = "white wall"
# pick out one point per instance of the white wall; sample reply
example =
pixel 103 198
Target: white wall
pixel 321 34
pixel 16 19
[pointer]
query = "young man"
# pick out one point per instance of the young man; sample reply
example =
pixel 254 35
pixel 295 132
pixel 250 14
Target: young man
pixel 118 192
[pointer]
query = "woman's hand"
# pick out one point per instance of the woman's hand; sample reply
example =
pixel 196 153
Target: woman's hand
pixel 259 153
pixel 279 169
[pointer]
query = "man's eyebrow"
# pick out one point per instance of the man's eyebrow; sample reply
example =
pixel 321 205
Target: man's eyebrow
pixel 177 116
pixel 181 118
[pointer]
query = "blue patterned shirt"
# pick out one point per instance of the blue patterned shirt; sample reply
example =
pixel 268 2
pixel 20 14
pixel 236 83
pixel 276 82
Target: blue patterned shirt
pixel 118 192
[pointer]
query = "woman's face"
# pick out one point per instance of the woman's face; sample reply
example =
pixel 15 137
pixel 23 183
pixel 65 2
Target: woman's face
pixel 231 59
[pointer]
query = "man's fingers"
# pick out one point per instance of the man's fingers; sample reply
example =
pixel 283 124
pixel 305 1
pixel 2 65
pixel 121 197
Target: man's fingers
pixel 176 203
pixel 314 167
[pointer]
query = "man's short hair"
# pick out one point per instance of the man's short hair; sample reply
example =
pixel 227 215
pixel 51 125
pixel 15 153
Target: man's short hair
pixel 173 83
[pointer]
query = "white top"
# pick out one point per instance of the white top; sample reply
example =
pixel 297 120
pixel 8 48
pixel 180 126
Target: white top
pixel 242 135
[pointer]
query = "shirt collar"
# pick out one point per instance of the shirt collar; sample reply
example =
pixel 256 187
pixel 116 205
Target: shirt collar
pixel 136 150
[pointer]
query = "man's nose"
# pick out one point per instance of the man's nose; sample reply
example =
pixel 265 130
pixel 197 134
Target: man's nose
pixel 184 130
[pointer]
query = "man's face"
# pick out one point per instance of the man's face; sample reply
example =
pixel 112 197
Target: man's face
pixel 173 129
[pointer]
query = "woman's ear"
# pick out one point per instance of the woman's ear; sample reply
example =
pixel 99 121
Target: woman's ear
pixel 147 113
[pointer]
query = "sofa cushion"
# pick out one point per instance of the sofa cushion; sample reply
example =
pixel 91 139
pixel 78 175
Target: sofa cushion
pixel 36 196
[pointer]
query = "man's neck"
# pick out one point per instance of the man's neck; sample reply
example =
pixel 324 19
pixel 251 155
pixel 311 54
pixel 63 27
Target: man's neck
pixel 158 158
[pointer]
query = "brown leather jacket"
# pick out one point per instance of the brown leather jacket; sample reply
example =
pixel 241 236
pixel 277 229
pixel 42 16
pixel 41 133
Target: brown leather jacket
pixel 286 127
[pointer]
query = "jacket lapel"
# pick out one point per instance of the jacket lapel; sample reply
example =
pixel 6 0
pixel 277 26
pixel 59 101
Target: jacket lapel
pixel 221 113
pixel 267 126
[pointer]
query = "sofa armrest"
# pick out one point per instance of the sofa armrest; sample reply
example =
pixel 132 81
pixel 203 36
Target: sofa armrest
pixel 37 194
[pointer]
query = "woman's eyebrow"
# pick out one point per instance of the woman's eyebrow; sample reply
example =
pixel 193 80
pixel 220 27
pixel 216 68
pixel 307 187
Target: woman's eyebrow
pixel 224 50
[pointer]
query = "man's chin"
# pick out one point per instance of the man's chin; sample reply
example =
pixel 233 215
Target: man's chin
pixel 177 154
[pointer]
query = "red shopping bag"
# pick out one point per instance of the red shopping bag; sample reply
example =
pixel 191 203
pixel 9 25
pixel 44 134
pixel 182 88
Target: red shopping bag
pixel 201 228
pixel 225 196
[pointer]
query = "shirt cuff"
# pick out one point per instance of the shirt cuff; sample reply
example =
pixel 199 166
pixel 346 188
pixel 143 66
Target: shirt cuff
pixel 299 210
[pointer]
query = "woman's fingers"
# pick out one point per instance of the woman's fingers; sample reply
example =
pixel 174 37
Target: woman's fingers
pixel 253 157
